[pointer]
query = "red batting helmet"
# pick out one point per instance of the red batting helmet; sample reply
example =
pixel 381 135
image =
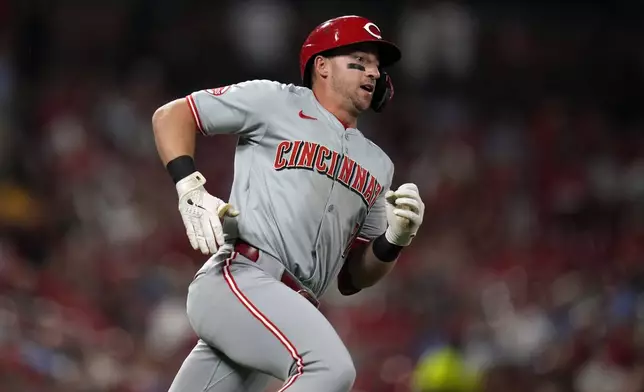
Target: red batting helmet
pixel 344 31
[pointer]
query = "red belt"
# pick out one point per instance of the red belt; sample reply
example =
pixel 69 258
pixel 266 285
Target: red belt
pixel 252 254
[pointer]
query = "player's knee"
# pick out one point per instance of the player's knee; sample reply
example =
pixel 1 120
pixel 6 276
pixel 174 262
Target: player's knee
pixel 342 374
pixel 336 373
pixel 346 376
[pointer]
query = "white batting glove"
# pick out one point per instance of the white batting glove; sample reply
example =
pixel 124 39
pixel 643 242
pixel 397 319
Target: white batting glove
pixel 201 213
pixel 405 212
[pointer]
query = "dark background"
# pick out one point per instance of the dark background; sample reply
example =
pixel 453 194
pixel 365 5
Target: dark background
pixel 520 121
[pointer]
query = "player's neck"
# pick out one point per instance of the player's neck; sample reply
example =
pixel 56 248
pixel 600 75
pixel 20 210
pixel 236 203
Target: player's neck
pixel 329 101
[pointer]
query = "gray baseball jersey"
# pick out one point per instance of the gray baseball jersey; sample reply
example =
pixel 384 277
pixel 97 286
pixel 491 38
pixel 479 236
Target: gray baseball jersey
pixel 306 186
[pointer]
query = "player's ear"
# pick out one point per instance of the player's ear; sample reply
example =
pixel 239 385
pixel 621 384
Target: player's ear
pixel 321 66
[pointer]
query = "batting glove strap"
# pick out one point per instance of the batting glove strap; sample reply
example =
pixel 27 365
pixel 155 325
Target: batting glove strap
pixel 190 183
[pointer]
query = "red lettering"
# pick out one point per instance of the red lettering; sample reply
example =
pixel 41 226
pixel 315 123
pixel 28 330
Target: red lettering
pixel 371 186
pixel 360 179
pixel 346 170
pixel 282 148
pixel 323 154
pixel 296 149
pixel 308 155
pixel 375 195
pixel 334 164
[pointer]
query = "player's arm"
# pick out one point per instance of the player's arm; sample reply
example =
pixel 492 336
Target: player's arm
pixel 229 110
pixel 174 131
pixel 369 262
pixel 363 269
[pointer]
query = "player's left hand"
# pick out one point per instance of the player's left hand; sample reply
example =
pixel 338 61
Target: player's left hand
pixel 405 211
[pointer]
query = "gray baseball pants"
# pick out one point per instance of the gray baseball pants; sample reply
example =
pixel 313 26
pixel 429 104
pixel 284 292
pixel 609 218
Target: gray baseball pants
pixel 251 326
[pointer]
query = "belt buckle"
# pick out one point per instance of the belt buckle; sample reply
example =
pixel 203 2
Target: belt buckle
pixel 304 293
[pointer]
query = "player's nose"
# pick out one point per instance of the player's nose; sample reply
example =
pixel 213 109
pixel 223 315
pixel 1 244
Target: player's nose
pixel 373 72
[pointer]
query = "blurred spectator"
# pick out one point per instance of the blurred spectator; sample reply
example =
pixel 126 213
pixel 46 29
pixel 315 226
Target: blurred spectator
pixel 259 30
pixel 437 37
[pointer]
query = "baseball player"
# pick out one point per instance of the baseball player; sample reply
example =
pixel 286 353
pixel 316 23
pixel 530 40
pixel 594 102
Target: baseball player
pixel 310 202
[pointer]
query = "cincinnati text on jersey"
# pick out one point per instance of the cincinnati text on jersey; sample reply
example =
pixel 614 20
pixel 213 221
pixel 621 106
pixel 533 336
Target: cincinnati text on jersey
pixel 300 154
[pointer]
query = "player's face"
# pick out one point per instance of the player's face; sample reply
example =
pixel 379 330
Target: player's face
pixel 354 77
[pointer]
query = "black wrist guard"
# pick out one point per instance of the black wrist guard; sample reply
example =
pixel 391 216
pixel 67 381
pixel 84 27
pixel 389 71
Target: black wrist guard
pixel 181 167
pixel 384 250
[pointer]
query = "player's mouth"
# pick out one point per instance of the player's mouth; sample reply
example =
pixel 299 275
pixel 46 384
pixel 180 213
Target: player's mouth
pixel 368 88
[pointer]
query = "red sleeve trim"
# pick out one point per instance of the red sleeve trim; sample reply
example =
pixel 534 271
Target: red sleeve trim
pixel 359 241
pixel 195 113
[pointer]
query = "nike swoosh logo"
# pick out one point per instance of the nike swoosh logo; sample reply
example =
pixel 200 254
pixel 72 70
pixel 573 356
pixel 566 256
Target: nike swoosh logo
pixel 304 116
pixel 196 205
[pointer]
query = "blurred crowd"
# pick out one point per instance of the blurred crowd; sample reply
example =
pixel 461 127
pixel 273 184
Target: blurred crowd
pixel 522 125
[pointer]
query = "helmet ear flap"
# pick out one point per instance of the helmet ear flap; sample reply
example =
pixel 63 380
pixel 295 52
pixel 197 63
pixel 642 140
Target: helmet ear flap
pixel 383 92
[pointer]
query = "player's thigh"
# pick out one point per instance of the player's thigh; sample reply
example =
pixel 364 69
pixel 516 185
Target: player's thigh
pixel 206 370
pixel 261 323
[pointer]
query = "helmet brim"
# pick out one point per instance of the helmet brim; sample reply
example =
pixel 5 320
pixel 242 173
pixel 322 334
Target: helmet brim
pixel 388 53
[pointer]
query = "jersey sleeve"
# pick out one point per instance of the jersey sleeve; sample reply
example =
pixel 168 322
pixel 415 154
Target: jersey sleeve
pixel 238 109
pixel 375 222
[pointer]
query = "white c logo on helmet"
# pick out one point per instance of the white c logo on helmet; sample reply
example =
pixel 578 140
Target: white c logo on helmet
pixel 373 30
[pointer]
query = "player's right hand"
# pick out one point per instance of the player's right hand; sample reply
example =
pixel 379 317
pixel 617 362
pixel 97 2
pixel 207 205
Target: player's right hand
pixel 201 213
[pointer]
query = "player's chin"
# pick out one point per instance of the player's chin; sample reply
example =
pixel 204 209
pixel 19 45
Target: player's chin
pixel 362 107
pixel 364 102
